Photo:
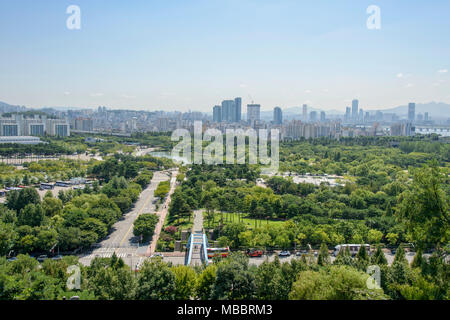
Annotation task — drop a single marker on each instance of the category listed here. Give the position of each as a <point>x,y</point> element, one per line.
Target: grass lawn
<point>237,217</point>
<point>184,224</point>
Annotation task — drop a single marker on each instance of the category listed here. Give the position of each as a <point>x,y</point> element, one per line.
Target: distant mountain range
<point>4,107</point>
<point>435,109</point>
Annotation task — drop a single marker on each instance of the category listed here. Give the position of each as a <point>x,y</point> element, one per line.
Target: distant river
<point>445,132</point>
<point>168,155</point>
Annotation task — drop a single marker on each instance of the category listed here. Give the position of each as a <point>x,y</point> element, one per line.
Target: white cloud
<point>307,91</point>
<point>96,94</point>
<point>243,85</point>
<point>443,71</point>
<point>399,75</point>
<point>66,93</point>
<point>409,85</point>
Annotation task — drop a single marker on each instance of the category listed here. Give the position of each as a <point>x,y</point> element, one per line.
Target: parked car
<point>42,257</point>
<point>12,259</point>
<point>58,257</point>
<point>284,254</point>
<point>393,251</point>
<point>157,255</point>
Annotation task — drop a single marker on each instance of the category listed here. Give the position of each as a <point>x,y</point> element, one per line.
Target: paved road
<point>122,240</point>
<point>162,214</point>
<point>260,260</point>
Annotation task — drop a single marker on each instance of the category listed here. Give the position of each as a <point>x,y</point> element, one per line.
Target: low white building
<point>21,139</point>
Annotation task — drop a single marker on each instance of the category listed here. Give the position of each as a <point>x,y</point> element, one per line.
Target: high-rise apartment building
<point>347,114</point>
<point>323,116</point>
<point>305,112</point>
<point>355,110</point>
<point>34,125</point>
<point>231,110</point>
<point>217,114</point>
<point>296,129</point>
<point>228,111</point>
<point>277,116</point>
<point>84,124</point>
<point>238,106</point>
<point>253,113</point>
<point>402,129</point>
<point>412,112</point>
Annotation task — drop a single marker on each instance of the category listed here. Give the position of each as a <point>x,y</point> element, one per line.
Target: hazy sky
<point>192,54</point>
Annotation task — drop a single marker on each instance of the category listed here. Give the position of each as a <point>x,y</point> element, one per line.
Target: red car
<point>255,253</point>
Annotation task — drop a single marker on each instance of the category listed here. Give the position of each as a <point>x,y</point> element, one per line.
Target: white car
<point>157,255</point>
<point>284,254</point>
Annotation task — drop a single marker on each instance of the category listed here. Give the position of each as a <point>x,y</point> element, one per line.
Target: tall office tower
<point>313,116</point>
<point>217,114</point>
<point>277,115</point>
<point>253,113</point>
<point>367,117</point>
<point>322,116</point>
<point>238,104</point>
<point>355,109</point>
<point>412,112</point>
<point>305,112</point>
<point>361,115</point>
<point>379,116</point>
<point>232,114</point>
<point>228,111</point>
<point>347,113</point>
<point>426,116</point>
<point>224,111</point>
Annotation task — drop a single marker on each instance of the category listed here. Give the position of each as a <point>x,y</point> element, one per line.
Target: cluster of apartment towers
<point>231,112</point>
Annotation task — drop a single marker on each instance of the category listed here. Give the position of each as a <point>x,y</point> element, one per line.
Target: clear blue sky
<point>192,54</point>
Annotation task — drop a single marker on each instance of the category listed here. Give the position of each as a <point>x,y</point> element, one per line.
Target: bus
<point>62,184</point>
<point>354,248</point>
<point>217,252</point>
<point>47,186</point>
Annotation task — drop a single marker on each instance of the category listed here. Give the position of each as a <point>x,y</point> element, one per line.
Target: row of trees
<point>371,209</point>
<point>232,278</point>
<point>75,219</point>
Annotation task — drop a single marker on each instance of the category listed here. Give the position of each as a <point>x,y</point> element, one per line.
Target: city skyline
<point>265,109</point>
<point>185,57</point>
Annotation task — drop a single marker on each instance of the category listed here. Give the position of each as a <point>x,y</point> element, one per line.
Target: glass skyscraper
<point>277,116</point>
